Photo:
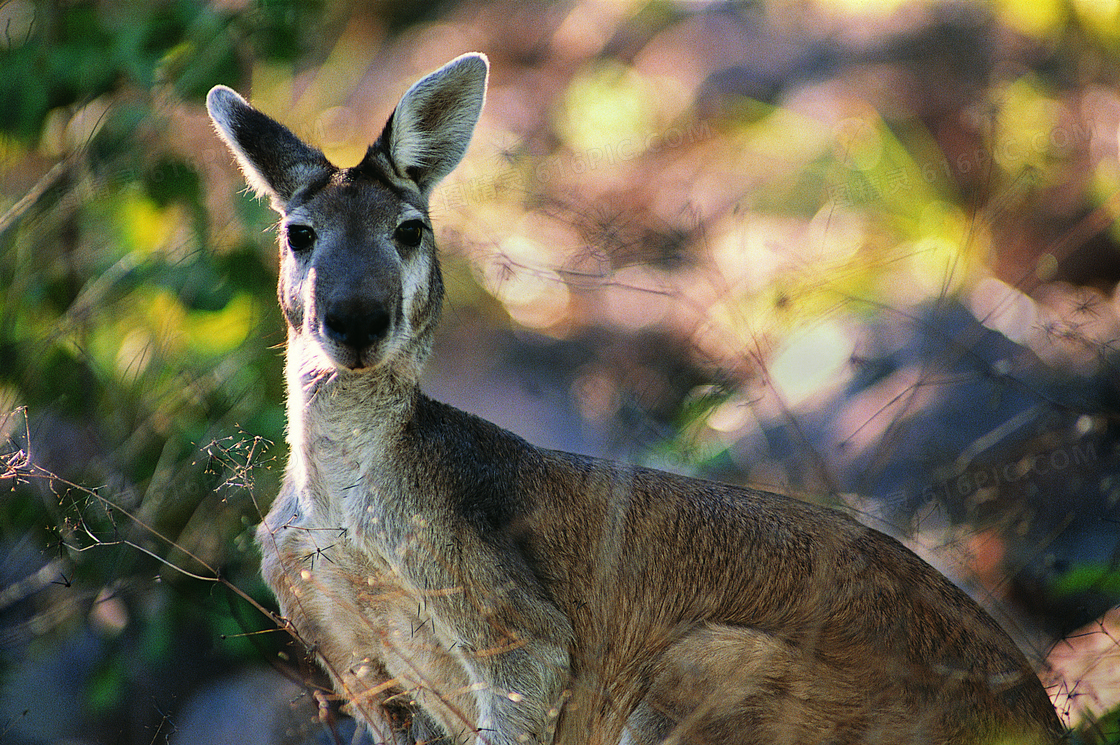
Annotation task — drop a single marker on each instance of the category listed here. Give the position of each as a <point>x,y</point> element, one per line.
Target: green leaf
<point>1084,577</point>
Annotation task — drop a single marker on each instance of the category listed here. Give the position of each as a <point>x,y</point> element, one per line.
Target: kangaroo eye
<point>409,233</point>
<point>300,237</point>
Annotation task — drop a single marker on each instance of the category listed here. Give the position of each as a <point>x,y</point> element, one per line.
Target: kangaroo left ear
<point>428,133</point>
<point>275,162</point>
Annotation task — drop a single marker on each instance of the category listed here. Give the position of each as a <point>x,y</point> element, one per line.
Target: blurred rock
<point>257,707</point>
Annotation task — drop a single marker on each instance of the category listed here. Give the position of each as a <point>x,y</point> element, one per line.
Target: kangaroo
<point>460,585</point>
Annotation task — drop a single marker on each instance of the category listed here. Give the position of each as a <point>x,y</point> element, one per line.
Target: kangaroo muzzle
<point>356,311</point>
<point>355,331</point>
<point>357,325</point>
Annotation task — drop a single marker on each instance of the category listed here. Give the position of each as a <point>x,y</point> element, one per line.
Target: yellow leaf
<point>145,226</point>
<point>218,332</point>
<point>1039,18</point>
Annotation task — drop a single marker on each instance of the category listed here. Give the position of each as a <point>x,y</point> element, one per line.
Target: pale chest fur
<point>339,547</point>
<point>343,466</point>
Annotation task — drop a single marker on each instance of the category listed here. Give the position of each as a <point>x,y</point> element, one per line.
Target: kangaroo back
<point>460,585</point>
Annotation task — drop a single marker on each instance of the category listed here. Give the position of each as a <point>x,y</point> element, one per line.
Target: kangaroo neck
<point>341,421</point>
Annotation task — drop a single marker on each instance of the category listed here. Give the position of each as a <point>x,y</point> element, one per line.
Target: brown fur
<point>462,585</point>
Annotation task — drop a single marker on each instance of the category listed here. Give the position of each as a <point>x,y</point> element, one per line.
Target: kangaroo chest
<point>360,595</point>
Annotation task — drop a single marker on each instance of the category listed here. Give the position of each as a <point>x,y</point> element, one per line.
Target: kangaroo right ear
<point>428,133</point>
<point>275,162</point>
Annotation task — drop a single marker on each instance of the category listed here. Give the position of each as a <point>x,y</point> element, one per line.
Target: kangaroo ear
<point>428,133</point>
<point>275,162</point>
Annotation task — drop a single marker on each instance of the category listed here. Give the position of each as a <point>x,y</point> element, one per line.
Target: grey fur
<point>461,585</point>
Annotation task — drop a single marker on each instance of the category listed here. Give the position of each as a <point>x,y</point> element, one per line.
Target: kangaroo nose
<point>357,328</point>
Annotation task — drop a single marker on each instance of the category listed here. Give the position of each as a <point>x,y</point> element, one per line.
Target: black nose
<point>357,327</point>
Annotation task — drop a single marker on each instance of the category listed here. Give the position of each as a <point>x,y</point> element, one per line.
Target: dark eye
<point>409,233</point>
<point>300,237</point>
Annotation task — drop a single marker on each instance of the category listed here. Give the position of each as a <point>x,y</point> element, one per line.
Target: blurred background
<point>864,253</point>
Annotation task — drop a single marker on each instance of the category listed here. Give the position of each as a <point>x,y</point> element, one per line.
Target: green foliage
<point>62,54</point>
<point>138,328</point>
<point>138,336</point>
<point>1101,578</point>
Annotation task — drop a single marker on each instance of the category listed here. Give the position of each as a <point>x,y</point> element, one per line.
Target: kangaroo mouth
<point>353,359</point>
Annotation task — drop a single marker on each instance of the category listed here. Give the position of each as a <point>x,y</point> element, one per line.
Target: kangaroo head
<point>360,283</point>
